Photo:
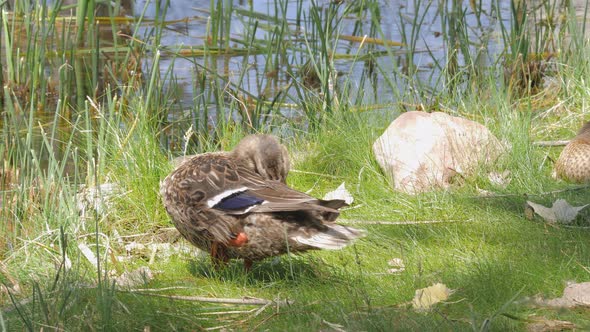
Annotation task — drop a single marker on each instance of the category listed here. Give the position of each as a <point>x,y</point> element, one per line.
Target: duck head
<point>264,155</point>
<point>584,133</point>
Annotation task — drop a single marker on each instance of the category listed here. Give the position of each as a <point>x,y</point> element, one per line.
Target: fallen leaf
<point>561,211</point>
<point>429,296</point>
<point>340,193</point>
<point>397,265</point>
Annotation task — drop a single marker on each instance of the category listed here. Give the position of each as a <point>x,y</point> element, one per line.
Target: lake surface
<point>397,23</point>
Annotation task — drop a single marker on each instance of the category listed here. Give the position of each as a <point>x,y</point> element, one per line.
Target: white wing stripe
<point>217,198</point>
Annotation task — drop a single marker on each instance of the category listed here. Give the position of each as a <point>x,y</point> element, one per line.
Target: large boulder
<point>423,151</point>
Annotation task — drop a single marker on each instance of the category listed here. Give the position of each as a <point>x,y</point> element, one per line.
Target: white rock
<point>422,151</point>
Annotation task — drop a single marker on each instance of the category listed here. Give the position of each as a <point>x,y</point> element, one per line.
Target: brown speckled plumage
<point>280,219</point>
<point>574,161</point>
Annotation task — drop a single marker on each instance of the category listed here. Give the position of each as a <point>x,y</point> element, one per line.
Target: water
<point>397,22</point>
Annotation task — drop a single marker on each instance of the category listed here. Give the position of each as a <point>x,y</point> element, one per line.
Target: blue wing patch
<point>238,201</point>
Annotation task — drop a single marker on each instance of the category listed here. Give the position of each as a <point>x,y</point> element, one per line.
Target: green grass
<point>482,248</point>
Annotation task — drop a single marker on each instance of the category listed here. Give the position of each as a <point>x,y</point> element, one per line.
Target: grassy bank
<point>115,120</point>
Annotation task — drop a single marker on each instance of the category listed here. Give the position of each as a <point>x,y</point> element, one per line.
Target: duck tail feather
<point>347,232</point>
<point>334,238</point>
<point>333,203</point>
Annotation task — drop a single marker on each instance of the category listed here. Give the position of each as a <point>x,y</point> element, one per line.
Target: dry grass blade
<point>403,222</point>
<point>238,301</point>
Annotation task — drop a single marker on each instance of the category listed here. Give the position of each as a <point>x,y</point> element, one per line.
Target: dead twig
<point>574,188</point>
<point>242,301</point>
<point>158,289</point>
<point>232,312</point>
<point>403,222</point>
<point>562,190</point>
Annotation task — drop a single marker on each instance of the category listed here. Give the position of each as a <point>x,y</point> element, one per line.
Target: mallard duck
<point>236,205</point>
<point>574,161</point>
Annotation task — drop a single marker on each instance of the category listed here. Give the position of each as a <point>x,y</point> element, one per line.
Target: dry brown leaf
<point>429,296</point>
<point>561,211</point>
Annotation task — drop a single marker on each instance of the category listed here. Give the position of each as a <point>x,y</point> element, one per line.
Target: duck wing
<point>191,192</point>
<point>267,196</point>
